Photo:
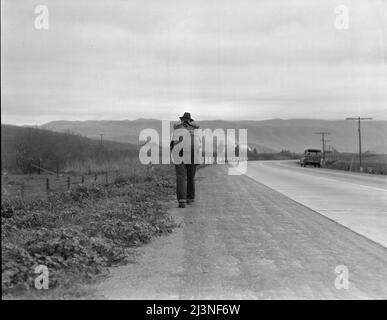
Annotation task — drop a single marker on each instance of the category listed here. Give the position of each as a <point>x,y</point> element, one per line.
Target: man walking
<point>186,154</point>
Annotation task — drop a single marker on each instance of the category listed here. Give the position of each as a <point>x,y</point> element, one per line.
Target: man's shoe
<point>190,201</point>
<point>181,204</point>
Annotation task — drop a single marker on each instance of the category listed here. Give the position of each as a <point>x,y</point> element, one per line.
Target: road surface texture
<point>357,201</point>
<point>244,240</point>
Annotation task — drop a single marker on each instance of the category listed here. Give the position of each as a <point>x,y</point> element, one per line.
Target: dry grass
<point>371,163</point>
<point>90,166</point>
<point>33,186</point>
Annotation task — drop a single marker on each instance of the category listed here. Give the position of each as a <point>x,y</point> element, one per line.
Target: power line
<point>358,119</point>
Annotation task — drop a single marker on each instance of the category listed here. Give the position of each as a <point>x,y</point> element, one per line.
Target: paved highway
<point>357,201</point>
<point>244,240</point>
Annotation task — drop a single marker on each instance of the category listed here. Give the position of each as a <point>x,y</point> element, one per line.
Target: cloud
<point>238,59</point>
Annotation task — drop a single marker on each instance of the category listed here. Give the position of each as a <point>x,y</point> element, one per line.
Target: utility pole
<point>358,119</point>
<point>326,147</point>
<point>101,134</point>
<point>323,141</point>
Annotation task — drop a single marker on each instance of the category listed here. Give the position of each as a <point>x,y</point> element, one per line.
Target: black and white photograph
<point>194,155</point>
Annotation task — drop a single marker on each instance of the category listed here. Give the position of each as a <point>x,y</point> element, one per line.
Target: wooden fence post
<point>68,182</point>
<point>39,166</point>
<point>95,177</point>
<point>47,184</point>
<point>22,190</point>
<point>83,179</point>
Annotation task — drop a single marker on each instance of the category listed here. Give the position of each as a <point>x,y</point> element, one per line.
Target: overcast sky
<point>218,59</point>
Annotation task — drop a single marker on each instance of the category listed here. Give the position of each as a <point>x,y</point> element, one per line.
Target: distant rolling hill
<point>22,145</point>
<point>267,135</point>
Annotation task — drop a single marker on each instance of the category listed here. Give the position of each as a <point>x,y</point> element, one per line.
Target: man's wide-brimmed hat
<point>186,116</point>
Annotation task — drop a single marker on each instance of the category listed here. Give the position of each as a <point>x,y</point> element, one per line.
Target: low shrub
<point>79,233</point>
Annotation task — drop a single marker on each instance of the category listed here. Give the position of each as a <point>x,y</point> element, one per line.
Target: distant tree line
<point>282,155</point>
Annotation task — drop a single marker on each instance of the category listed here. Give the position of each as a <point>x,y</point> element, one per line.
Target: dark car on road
<point>311,157</point>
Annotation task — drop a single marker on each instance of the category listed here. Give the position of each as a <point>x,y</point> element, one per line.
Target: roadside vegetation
<point>81,232</point>
<point>371,163</point>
